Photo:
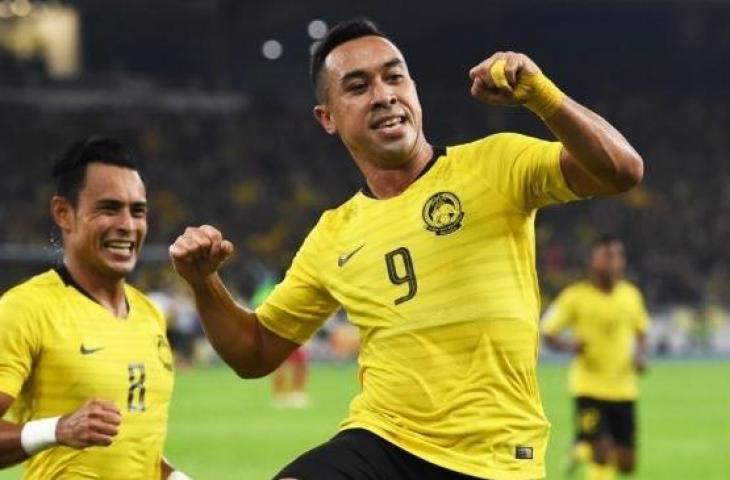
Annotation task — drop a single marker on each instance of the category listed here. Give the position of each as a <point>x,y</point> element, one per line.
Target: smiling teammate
<point>85,368</point>
<point>433,261</point>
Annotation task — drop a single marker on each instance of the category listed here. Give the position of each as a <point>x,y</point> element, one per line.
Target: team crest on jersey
<point>442,213</point>
<point>164,352</point>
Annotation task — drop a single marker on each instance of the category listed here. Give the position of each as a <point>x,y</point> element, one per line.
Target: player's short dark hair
<point>336,36</point>
<point>606,239</point>
<point>69,169</point>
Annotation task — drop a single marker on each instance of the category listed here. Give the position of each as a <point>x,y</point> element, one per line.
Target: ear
<point>62,213</point>
<point>324,117</point>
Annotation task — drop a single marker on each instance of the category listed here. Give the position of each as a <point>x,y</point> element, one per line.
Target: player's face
<point>371,101</point>
<point>106,230</point>
<point>608,261</point>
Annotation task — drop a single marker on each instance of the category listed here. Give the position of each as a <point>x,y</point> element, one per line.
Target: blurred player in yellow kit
<point>608,321</point>
<point>85,368</point>
<point>433,261</point>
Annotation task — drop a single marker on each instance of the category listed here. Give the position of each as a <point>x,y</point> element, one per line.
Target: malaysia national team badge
<point>164,352</point>
<point>442,213</point>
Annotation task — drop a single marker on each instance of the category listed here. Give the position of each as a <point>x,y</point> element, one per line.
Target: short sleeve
<point>20,340</point>
<point>524,169</point>
<point>301,303</point>
<point>559,315</point>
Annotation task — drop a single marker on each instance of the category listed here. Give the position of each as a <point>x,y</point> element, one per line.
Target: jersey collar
<point>438,152</point>
<point>69,281</point>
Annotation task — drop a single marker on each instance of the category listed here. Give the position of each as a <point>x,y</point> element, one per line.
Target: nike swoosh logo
<point>343,259</point>
<point>88,351</point>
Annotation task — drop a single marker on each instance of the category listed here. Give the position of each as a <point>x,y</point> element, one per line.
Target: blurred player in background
<point>286,394</point>
<point>84,362</point>
<point>433,260</point>
<point>608,321</point>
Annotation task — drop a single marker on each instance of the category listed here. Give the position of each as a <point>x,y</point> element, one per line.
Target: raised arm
<point>249,348</point>
<point>596,159</point>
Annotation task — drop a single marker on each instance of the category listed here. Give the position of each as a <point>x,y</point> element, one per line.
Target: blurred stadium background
<point>214,96</point>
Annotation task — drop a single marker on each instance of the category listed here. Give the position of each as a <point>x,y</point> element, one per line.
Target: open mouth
<point>121,247</point>
<point>388,122</point>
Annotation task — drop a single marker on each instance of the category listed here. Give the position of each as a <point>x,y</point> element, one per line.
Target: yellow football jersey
<point>441,282</point>
<point>607,324</point>
<point>59,348</point>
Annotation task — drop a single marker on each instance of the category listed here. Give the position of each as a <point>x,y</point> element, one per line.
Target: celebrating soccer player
<point>84,361</point>
<point>608,321</point>
<point>434,262</point>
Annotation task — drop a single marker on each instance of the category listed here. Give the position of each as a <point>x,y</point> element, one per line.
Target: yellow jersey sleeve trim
<point>301,303</point>
<point>565,194</point>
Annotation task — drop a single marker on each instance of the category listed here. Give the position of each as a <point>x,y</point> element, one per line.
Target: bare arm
<point>94,424</point>
<point>249,348</point>
<point>11,451</point>
<point>561,344</point>
<point>642,352</point>
<point>165,469</point>
<point>596,159</point>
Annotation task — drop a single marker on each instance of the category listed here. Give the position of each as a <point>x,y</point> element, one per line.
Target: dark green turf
<point>222,427</point>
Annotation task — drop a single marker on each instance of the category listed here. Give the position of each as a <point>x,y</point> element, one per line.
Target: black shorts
<point>358,454</point>
<point>595,418</point>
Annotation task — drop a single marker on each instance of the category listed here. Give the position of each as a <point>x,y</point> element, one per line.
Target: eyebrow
<point>362,73</point>
<point>117,203</point>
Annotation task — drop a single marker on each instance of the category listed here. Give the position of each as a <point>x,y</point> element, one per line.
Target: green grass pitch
<point>222,427</point>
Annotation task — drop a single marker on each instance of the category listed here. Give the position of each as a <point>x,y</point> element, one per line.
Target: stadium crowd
<point>263,171</point>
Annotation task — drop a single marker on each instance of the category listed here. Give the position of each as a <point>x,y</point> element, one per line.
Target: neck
<point>605,284</point>
<point>390,182</point>
<point>108,291</point>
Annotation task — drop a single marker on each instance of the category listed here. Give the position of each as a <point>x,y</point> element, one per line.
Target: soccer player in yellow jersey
<point>85,368</point>
<point>608,321</point>
<point>434,262</point>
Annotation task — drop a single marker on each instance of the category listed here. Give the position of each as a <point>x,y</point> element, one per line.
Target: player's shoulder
<point>36,290</point>
<point>134,293</point>
<point>332,219</point>
<point>142,301</point>
<point>576,289</point>
<point>630,288</point>
<point>494,142</point>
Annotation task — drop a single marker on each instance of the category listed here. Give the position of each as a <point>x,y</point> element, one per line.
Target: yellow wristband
<point>498,76</point>
<point>539,94</point>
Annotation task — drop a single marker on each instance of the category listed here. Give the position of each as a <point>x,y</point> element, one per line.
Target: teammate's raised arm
<point>596,158</point>
<point>235,332</point>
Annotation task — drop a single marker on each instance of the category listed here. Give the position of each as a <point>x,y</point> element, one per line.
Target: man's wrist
<point>540,94</point>
<point>39,435</point>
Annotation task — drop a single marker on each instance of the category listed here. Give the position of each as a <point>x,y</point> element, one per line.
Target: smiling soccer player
<point>434,262</point>
<point>84,360</point>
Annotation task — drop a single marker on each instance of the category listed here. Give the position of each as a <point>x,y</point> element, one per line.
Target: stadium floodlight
<point>21,8</point>
<point>272,49</point>
<point>317,29</point>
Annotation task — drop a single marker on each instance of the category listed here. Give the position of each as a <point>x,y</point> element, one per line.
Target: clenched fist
<point>96,423</point>
<point>511,79</point>
<point>199,252</point>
